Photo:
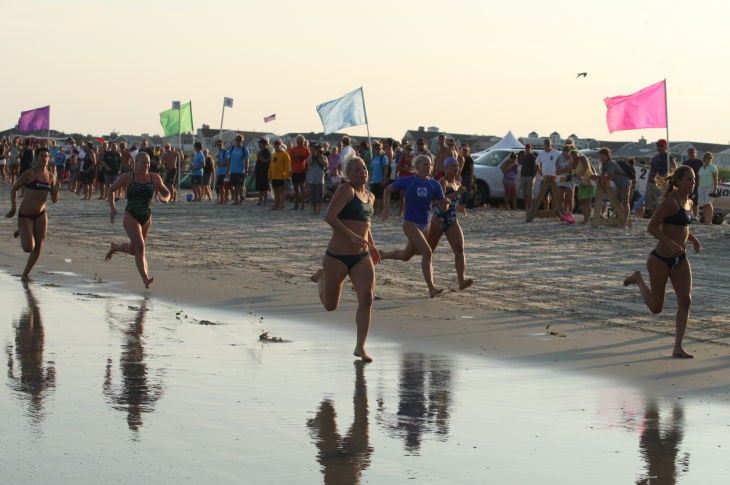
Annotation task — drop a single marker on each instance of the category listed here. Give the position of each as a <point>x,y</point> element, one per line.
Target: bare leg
<point>681,279</point>
<point>418,241</point>
<point>137,234</point>
<point>32,243</point>
<point>653,295</point>
<point>362,276</point>
<point>455,236</point>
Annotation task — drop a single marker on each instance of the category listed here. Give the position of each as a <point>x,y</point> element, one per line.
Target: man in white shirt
<point>547,159</point>
<point>347,151</point>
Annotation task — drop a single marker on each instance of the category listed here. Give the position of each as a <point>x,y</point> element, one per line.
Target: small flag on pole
<point>643,109</point>
<point>228,102</point>
<point>349,110</point>
<point>270,118</point>
<point>38,119</point>
<point>175,122</point>
<point>176,105</point>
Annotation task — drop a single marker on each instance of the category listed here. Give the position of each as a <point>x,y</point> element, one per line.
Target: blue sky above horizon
<point>463,66</point>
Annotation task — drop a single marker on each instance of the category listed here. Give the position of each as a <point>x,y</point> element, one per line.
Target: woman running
<point>351,250</point>
<point>446,221</point>
<point>37,183</point>
<point>137,220</point>
<point>668,260</point>
<point>421,193</point>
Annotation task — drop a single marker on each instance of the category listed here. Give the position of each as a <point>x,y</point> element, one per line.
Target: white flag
<point>228,102</point>
<point>349,110</point>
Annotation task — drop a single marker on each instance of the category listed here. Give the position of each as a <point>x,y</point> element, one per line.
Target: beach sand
<point>528,276</point>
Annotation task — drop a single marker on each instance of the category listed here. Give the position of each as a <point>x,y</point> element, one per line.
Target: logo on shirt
<point>422,192</point>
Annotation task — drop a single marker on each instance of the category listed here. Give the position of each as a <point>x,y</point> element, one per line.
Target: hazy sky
<point>478,67</point>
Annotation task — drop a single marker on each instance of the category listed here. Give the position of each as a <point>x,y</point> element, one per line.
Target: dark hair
<point>42,150</point>
<point>198,145</point>
<point>605,151</point>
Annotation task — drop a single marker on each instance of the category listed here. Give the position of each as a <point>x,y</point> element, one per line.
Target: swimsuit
<point>38,185</point>
<point>349,260</point>
<point>683,217</point>
<point>671,261</point>
<point>32,217</point>
<point>447,217</point>
<point>139,200</point>
<point>355,210</point>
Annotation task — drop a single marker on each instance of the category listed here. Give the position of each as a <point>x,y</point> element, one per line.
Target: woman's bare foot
<point>681,354</point>
<point>109,253</point>
<point>435,292</point>
<point>633,279</point>
<point>148,283</point>
<point>25,278</point>
<point>466,283</point>
<point>360,352</point>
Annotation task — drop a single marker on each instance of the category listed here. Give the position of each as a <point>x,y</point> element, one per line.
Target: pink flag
<point>643,109</point>
<point>38,119</point>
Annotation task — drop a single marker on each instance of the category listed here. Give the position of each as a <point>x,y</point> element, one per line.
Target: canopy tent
<point>509,141</point>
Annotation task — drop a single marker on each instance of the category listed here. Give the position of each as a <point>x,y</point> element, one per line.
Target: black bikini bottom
<point>349,260</point>
<point>671,261</point>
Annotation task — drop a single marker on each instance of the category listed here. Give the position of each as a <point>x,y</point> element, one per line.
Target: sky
<point>469,67</point>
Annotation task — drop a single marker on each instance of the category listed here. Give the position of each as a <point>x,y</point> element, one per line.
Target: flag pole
<point>666,111</point>
<point>179,140</point>
<point>223,111</point>
<point>367,124</point>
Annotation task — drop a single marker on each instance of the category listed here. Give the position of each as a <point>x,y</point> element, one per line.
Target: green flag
<point>175,122</point>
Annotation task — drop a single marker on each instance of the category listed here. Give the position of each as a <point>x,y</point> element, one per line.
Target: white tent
<point>509,141</point>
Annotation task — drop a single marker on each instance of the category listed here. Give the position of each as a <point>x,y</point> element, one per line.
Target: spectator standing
<point>708,186</point>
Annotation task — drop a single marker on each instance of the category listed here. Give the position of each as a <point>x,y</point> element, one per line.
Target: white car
<point>488,175</point>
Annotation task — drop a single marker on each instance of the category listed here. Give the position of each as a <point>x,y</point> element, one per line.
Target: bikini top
<point>357,210</point>
<point>683,217</point>
<point>38,185</point>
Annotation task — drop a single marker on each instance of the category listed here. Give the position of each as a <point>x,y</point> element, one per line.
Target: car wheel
<point>482,194</point>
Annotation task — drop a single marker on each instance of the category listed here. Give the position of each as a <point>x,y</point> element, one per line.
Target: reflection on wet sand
<point>344,459</point>
<point>33,381</point>
<point>135,395</point>
<point>424,392</point>
<point>659,445</point>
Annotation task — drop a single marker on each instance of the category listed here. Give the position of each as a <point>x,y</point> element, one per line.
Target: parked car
<point>721,203</point>
<point>488,175</point>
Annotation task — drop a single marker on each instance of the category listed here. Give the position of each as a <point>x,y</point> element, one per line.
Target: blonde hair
<point>349,164</point>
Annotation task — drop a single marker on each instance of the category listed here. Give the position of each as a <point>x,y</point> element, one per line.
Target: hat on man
<point>529,145</point>
<point>661,141</point>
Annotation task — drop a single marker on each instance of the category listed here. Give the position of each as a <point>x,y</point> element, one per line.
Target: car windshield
<point>492,158</point>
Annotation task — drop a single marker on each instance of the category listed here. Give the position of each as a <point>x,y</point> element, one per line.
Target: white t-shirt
<point>547,161</point>
<point>347,152</point>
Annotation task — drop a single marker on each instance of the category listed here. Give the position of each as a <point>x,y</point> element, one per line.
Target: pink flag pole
<point>666,110</point>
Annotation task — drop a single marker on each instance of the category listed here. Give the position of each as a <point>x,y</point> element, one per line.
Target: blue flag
<point>349,110</point>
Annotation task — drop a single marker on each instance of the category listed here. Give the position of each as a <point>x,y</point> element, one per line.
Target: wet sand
<point>527,276</point>
<point>105,386</point>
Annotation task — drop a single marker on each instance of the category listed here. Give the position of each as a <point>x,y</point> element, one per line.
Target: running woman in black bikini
<point>137,220</point>
<point>38,183</point>
<point>351,251</point>
<point>668,260</point>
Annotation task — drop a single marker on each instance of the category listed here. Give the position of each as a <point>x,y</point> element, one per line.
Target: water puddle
<point>115,388</point>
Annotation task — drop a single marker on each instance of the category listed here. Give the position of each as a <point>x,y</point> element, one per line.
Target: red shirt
<point>299,157</point>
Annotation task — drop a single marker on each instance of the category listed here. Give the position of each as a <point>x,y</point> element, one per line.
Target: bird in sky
<point>581,74</point>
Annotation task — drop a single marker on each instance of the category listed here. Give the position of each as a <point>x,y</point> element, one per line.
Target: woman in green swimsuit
<point>140,185</point>
<point>351,250</point>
